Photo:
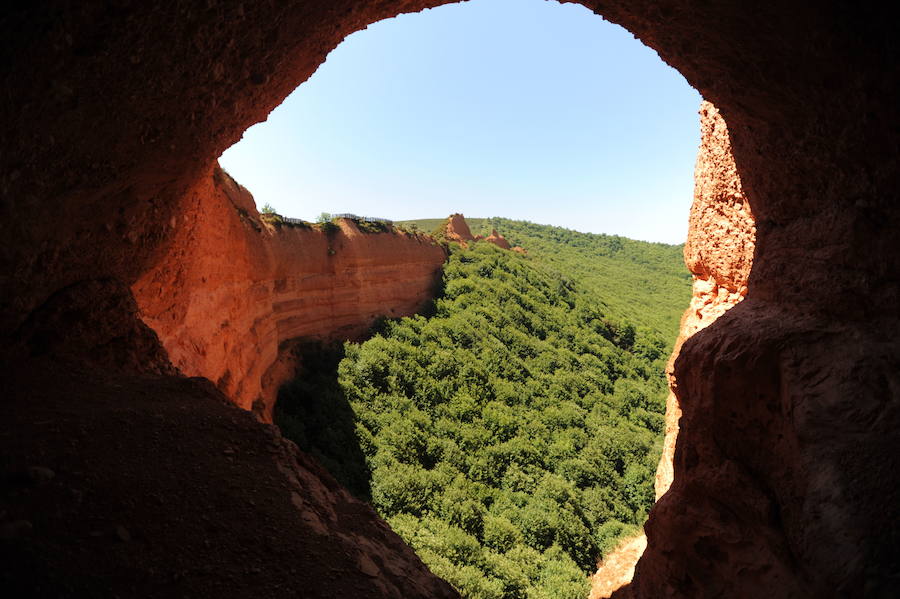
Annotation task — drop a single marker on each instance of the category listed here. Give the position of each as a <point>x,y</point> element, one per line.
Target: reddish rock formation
<point>230,290</point>
<point>161,488</point>
<point>786,469</point>
<point>617,568</point>
<point>457,229</point>
<point>747,481</point>
<point>719,254</point>
<point>497,239</point>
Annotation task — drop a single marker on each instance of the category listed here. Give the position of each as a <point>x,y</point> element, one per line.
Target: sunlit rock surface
<point>719,254</point>
<point>231,288</point>
<point>457,229</point>
<point>497,239</point>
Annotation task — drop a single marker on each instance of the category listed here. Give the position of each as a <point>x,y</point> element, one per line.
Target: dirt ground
<point>617,569</point>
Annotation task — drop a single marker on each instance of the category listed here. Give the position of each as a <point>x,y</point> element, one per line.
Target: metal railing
<point>368,219</point>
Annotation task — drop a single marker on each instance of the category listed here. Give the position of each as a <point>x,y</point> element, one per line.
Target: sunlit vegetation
<point>511,437</point>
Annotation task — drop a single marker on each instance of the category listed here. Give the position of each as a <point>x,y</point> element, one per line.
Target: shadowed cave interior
<point>785,469</point>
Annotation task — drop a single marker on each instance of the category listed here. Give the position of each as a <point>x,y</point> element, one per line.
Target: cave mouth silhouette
<point>786,472</point>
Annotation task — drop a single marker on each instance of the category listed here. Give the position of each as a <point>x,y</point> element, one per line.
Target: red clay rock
<point>215,503</point>
<point>758,486</point>
<point>617,568</point>
<point>457,230</point>
<point>497,239</point>
<point>719,254</point>
<point>231,289</point>
<point>722,233</point>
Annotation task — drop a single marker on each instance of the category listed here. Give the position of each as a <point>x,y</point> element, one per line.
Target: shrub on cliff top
<point>367,226</point>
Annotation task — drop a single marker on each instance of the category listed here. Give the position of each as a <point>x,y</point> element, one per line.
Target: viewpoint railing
<point>368,219</point>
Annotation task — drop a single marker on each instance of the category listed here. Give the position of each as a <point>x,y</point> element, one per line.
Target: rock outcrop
<point>785,471</point>
<point>231,290</point>
<point>719,254</point>
<point>497,239</point>
<point>457,230</point>
<point>758,488</point>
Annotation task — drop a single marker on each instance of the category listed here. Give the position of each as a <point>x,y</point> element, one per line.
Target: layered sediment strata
<point>231,289</point>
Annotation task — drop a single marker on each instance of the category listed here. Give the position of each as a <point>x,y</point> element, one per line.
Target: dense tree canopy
<point>512,436</point>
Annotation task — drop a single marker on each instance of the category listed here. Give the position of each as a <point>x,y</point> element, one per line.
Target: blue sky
<point>526,109</point>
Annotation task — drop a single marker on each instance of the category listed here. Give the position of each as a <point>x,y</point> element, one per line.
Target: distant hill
<point>645,282</point>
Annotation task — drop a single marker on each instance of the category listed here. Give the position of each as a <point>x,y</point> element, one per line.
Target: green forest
<point>511,435</point>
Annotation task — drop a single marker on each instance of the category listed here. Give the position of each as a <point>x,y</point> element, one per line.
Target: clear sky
<point>526,109</point>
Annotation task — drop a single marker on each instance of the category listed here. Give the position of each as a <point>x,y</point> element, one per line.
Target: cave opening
<point>787,473</point>
<point>624,112</point>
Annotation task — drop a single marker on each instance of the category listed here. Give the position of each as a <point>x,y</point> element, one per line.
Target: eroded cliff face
<point>497,239</point>
<point>457,230</point>
<point>752,493</point>
<point>719,254</point>
<point>232,289</point>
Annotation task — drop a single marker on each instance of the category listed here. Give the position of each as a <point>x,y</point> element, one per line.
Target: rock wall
<point>786,473</point>
<point>759,485</point>
<point>116,485</point>
<point>718,252</point>
<point>232,289</point>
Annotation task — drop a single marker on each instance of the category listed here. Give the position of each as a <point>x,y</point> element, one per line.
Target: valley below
<point>511,435</point>
<point>501,408</point>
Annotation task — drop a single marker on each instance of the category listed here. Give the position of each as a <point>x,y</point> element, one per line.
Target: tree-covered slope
<point>646,283</point>
<point>511,436</point>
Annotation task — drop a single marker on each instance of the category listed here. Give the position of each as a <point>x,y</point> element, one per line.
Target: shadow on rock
<point>314,413</point>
